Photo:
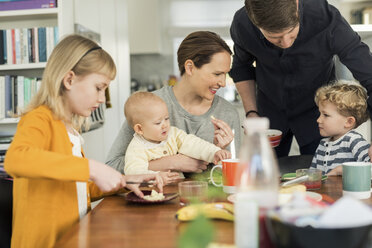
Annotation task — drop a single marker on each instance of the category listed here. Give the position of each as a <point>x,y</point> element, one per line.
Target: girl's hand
<point>169,177</point>
<point>143,178</point>
<point>223,134</point>
<point>221,155</point>
<point>106,178</point>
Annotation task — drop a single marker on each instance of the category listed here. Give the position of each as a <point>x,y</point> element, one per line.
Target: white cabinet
<point>144,26</point>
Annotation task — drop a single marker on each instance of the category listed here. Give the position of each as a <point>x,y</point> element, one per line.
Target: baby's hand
<point>169,177</point>
<point>221,155</point>
<point>336,171</point>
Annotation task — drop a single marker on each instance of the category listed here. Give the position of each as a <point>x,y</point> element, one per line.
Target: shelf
<point>23,66</point>
<point>35,13</point>
<point>9,121</point>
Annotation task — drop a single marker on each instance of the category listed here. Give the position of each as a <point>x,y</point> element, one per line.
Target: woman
<point>204,60</point>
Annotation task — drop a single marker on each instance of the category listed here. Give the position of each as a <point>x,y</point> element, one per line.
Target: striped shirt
<point>351,147</point>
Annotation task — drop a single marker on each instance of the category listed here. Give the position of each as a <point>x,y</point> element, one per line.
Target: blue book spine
<point>42,44</point>
<point>2,48</point>
<point>8,96</point>
<point>5,47</point>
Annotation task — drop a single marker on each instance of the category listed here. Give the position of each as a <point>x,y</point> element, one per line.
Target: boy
<point>342,107</point>
<point>154,137</point>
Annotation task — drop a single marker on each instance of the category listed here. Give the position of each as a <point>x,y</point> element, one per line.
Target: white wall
<point>109,18</point>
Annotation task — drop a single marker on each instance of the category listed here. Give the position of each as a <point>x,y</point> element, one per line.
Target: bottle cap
<point>256,124</point>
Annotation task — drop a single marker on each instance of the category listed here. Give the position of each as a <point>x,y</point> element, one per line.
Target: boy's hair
<point>350,99</point>
<point>273,15</point>
<point>137,104</point>
<point>199,47</point>
<point>73,53</point>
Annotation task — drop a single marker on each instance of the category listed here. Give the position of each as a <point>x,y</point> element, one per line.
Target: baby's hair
<point>350,99</point>
<point>137,104</point>
<point>73,53</point>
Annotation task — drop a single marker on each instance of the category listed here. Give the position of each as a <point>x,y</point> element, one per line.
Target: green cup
<point>356,179</point>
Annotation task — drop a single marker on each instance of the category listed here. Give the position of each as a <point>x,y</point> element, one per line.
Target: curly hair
<point>350,99</point>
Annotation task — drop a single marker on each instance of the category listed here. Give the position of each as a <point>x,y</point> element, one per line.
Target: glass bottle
<point>257,186</point>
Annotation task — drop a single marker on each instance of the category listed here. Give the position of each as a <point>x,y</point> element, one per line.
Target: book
<point>2,48</point>
<point>26,4</point>
<point>36,45</point>
<point>13,47</point>
<point>8,96</point>
<point>30,46</point>
<point>9,47</point>
<point>5,46</point>
<point>14,94</point>
<point>2,97</point>
<point>24,46</point>
<point>26,91</point>
<point>17,39</point>
<point>20,93</point>
<point>42,44</point>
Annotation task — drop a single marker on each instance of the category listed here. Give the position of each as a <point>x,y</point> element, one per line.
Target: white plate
<point>284,198</point>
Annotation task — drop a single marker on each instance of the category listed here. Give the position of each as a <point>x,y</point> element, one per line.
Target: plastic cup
<point>192,192</point>
<point>314,181</point>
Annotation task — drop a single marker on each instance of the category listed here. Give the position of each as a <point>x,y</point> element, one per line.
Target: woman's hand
<point>106,178</point>
<point>143,178</point>
<point>223,134</point>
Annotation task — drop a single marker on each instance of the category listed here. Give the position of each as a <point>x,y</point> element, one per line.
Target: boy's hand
<point>169,177</point>
<point>221,155</point>
<point>336,171</point>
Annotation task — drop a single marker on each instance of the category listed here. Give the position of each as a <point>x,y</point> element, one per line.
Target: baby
<point>154,138</point>
<point>342,107</point>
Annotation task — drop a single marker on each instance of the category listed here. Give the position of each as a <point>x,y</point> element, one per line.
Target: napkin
<point>345,213</point>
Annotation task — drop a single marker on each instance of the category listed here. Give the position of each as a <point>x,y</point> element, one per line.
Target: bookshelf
<point>61,17</point>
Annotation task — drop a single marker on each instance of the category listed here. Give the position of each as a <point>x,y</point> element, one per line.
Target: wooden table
<point>116,223</point>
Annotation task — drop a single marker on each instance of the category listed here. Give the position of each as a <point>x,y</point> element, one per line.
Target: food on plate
<point>292,188</point>
<point>155,196</point>
<point>216,210</point>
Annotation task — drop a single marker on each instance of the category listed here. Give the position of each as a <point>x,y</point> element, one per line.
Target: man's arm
<point>247,92</point>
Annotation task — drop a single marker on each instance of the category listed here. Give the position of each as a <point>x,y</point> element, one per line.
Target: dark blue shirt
<point>287,79</point>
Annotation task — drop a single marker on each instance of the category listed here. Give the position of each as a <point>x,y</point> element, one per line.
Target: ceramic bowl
<point>291,236</point>
<point>274,135</point>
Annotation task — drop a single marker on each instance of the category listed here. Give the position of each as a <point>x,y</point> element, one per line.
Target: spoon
<point>294,181</point>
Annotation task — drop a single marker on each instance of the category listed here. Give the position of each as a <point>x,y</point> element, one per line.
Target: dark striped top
<point>351,147</point>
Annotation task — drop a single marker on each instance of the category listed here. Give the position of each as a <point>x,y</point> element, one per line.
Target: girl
<point>204,60</point>
<point>53,181</point>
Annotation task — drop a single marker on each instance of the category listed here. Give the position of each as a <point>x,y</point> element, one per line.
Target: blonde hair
<point>137,104</point>
<point>73,53</point>
<point>350,99</point>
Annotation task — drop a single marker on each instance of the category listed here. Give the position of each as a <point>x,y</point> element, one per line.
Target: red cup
<point>229,168</point>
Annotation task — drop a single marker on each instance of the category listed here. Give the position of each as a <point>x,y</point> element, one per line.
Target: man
<point>292,43</point>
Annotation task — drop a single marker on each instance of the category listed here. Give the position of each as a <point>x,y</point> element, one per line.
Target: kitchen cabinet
<point>144,26</point>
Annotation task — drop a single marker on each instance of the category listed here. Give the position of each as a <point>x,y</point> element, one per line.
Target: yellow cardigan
<point>45,173</point>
